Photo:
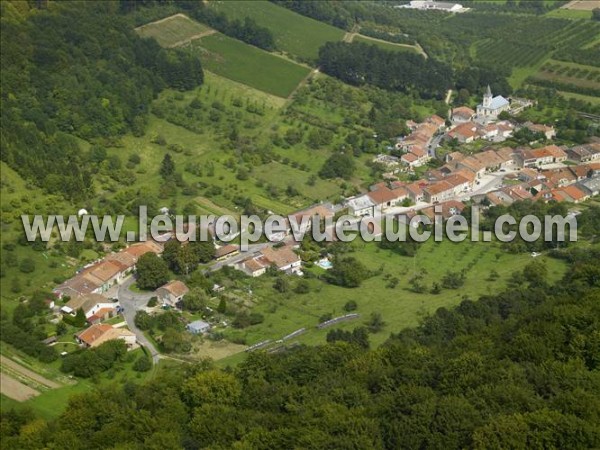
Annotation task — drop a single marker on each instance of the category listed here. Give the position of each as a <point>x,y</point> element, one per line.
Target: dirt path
<point>15,389</point>
<point>448,95</point>
<point>28,373</point>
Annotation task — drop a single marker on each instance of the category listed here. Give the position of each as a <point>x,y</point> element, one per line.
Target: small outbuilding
<point>198,327</point>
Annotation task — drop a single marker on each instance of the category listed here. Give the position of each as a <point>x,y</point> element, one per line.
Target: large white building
<point>429,4</point>
<point>491,106</point>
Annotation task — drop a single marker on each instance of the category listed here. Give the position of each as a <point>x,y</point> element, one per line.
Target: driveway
<point>131,303</point>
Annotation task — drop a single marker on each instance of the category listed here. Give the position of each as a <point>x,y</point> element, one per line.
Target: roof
<point>498,102</point>
<point>253,264</point>
<point>198,325</point>
<point>463,111</point>
<point>440,186</point>
<point>176,288</point>
<point>435,119</point>
<point>317,210</point>
<point>86,302</point>
<point>574,192</point>
<point>226,250</point>
<point>112,333</point>
<point>455,180</point>
<point>141,248</point>
<point>281,257</point>
<point>409,158</point>
<point>99,315</point>
<point>105,270</point>
<point>89,335</point>
<point>360,202</point>
<point>383,195</point>
<point>467,130</point>
<point>122,257</point>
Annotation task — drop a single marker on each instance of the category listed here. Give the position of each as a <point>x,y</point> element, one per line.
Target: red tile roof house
<point>438,192</point>
<point>464,133</point>
<point>541,156</point>
<point>97,334</point>
<point>573,193</point>
<point>172,293</point>
<point>462,114</point>
<point>384,198</point>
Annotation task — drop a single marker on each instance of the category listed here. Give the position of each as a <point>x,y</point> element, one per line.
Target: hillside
<point>514,369</point>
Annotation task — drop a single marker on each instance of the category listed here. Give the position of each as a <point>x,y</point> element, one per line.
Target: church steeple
<point>487,97</point>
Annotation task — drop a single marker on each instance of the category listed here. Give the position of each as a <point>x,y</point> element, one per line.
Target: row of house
<point>467,132</point>
<point>100,276</point>
<point>416,144</point>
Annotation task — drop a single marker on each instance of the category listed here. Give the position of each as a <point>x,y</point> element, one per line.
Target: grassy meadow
<point>399,306</point>
<point>294,34</point>
<point>173,30</point>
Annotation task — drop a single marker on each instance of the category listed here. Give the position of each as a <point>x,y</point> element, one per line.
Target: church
<point>491,106</point>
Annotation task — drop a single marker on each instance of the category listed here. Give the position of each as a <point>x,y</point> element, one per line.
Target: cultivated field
<point>15,389</point>
<point>249,65</point>
<point>174,30</point>
<point>294,34</point>
<point>14,366</point>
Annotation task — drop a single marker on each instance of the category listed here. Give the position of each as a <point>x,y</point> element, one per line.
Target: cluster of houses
<point>542,175</point>
<point>416,144</point>
<point>99,277</point>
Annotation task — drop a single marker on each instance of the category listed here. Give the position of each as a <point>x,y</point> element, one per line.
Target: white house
<point>491,106</point>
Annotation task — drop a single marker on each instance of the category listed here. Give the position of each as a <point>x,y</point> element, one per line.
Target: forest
<point>515,369</point>
<point>77,70</point>
<point>359,63</point>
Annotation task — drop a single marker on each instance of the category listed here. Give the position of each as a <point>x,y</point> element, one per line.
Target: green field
<point>584,98</point>
<point>249,65</point>
<point>294,34</point>
<point>390,46</point>
<point>399,306</point>
<point>173,30</point>
<point>574,14</point>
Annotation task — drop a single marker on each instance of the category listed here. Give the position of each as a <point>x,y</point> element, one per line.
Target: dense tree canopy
<point>359,63</point>
<point>77,69</point>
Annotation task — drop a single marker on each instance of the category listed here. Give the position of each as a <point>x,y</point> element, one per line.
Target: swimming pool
<point>324,264</point>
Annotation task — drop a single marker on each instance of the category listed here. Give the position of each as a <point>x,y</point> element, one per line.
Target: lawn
<point>173,30</point>
<point>249,65</point>
<point>294,34</point>
<point>390,46</point>
<point>399,306</point>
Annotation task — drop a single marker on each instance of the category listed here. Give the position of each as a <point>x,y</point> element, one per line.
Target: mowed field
<point>173,31</point>
<point>249,65</point>
<point>294,34</point>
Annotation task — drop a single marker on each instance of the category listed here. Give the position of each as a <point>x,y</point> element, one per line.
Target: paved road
<point>131,303</point>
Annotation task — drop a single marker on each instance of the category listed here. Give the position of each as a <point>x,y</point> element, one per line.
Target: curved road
<point>131,303</point>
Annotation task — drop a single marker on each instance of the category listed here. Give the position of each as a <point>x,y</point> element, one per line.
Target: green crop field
<point>294,34</point>
<point>172,30</point>
<point>249,65</point>
<point>390,46</point>
<point>399,306</point>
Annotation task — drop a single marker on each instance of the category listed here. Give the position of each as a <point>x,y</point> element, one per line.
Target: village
<point>493,176</point>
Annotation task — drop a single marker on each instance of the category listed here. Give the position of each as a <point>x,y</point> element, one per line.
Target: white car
<point>535,254</point>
